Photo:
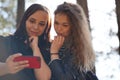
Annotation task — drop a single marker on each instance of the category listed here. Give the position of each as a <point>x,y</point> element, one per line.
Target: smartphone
<point>33,61</point>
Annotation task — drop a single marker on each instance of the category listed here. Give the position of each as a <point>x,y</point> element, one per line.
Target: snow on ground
<point>108,66</point>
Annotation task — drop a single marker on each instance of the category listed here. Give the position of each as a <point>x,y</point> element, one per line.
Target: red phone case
<point>34,61</point>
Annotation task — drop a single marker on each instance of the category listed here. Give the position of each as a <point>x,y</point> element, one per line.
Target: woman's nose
<point>59,27</point>
<point>36,26</point>
<point>60,31</point>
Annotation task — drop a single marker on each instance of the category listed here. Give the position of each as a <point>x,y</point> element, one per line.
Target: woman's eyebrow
<point>32,18</point>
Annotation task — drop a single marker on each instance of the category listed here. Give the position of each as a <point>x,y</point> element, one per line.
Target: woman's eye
<point>31,21</point>
<point>65,25</point>
<point>56,23</point>
<point>42,24</point>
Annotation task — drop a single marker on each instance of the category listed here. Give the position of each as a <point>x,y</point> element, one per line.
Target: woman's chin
<point>34,35</point>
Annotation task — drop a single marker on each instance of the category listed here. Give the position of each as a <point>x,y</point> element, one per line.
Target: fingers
<point>15,55</point>
<point>32,39</point>
<point>20,65</point>
<point>17,66</point>
<point>57,44</point>
<point>13,66</point>
<point>59,40</point>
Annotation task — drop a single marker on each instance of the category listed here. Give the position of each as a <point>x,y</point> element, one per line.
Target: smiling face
<point>62,24</point>
<point>36,23</point>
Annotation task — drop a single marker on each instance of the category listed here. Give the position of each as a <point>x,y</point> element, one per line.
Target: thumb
<point>15,55</point>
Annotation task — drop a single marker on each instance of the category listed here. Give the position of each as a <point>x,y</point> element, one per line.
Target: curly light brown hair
<point>79,38</point>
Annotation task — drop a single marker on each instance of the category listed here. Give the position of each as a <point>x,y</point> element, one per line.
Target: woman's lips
<point>33,33</point>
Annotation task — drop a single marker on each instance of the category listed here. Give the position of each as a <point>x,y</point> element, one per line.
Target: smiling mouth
<point>34,33</point>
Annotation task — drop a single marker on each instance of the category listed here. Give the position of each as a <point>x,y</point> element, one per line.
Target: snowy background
<point>105,42</point>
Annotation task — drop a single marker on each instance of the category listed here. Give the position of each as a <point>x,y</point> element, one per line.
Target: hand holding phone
<point>33,61</point>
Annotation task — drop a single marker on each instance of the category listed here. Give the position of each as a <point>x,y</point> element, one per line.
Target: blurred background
<point>104,20</point>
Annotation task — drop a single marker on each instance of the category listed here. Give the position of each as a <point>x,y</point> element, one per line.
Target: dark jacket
<point>64,69</point>
<point>11,45</point>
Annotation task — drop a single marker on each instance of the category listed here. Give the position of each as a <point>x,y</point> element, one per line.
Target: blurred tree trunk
<point>118,19</point>
<point>84,5</point>
<point>20,10</point>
